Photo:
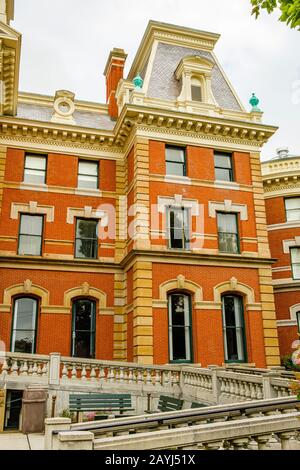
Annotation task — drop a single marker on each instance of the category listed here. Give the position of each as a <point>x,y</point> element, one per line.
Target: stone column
<point>74,440</point>
<point>54,369</point>
<point>54,424</point>
<point>120,324</point>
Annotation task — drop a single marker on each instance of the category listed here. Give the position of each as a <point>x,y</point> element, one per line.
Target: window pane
<point>176,169</point>
<point>179,327</point>
<point>293,214</point>
<point>88,182</point>
<point>35,162</point>
<point>88,168</point>
<point>25,314</point>
<point>233,328</point>
<point>296,271</point>
<point>223,161</point>
<point>31,224</point>
<point>196,93</point>
<point>227,223</point>
<point>175,155</point>
<point>295,255</point>
<point>86,228</point>
<point>228,243</point>
<point>84,313</point>
<point>86,249</point>
<point>178,317</point>
<point>292,203</point>
<point>34,176</point>
<point>23,341</point>
<point>30,245</point>
<point>223,175</point>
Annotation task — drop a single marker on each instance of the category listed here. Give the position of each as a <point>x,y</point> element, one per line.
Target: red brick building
<point>135,230</point>
<point>282,195</point>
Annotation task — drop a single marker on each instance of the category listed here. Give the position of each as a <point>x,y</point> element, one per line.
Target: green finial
<point>138,82</point>
<point>254,102</point>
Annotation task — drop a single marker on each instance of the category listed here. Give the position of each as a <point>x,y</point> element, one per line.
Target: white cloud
<point>66,44</point>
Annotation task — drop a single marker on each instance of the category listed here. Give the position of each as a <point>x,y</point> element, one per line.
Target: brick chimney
<point>114,73</point>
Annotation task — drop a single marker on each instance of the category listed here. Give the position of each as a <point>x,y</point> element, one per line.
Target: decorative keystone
<point>254,103</point>
<point>138,82</point>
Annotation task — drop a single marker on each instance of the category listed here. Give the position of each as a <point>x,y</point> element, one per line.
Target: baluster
<point>130,375</point>
<point>259,392</point>
<point>140,378</point>
<point>247,390</point>
<point>93,373</point>
<point>111,376</point>
<point>83,372</point>
<point>101,374</point>
<point>285,439</point>
<point>64,372</point>
<point>45,369</point>
<point>222,388</point>
<point>240,444</point>
<point>253,391</point>
<point>34,369</point>
<point>148,377</point>
<point>231,387</point>
<point>166,378</point>
<point>30,370</point>
<point>5,368</point>
<point>262,441</point>
<point>14,368</point>
<point>227,386</point>
<point>74,373</point>
<point>121,377</point>
<point>237,388</point>
<point>117,374</point>
<point>157,377</point>
<point>39,369</point>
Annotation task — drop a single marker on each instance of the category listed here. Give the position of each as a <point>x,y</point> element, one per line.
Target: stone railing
<point>211,385</point>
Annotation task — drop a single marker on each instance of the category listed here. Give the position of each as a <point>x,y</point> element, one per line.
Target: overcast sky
<point>66,43</point>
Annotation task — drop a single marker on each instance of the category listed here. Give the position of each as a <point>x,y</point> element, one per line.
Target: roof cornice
<point>10,50</point>
<point>174,34</point>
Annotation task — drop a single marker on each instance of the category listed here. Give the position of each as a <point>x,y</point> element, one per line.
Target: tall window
<point>86,243</point>
<point>30,235</point>
<point>223,167</point>
<point>23,337</point>
<point>233,328</point>
<point>178,227</point>
<point>180,330</point>
<point>35,169</point>
<point>228,233</point>
<point>295,262</point>
<point>175,161</point>
<point>196,91</point>
<point>83,328</point>
<point>292,208</point>
<point>88,174</point>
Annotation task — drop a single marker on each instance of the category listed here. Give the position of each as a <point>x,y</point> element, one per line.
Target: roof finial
<point>138,82</point>
<point>254,103</point>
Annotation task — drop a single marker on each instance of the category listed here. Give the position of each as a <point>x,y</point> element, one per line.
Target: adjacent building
<point>136,230</point>
<point>282,195</point>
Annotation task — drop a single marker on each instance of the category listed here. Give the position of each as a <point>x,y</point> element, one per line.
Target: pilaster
<point>3,151</point>
<point>120,323</point>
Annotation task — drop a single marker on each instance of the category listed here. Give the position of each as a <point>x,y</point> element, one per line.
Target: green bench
<point>108,402</point>
<point>166,403</point>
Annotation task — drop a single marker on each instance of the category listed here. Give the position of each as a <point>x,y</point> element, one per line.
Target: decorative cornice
<point>10,47</point>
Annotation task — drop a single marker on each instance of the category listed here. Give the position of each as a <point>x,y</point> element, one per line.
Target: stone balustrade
<point>210,385</point>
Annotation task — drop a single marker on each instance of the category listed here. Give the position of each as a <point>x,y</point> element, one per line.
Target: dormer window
<point>194,72</point>
<point>196,91</point>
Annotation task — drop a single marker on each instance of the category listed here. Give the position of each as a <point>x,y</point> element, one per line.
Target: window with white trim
<point>228,232</point>
<point>86,243</point>
<point>175,161</point>
<point>88,174</point>
<point>23,337</point>
<point>180,329</point>
<point>178,227</point>
<point>196,90</point>
<point>292,208</point>
<point>35,169</point>
<point>295,262</point>
<point>233,328</point>
<point>223,167</point>
<point>30,235</point>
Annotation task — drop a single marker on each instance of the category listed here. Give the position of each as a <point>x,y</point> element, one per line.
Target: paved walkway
<point>19,441</point>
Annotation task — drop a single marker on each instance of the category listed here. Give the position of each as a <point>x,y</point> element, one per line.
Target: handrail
<point>188,415</point>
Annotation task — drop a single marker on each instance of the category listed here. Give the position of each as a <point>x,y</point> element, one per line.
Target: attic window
<point>196,91</point>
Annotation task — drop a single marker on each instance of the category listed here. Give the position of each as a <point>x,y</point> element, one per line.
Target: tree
<point>290,10</point>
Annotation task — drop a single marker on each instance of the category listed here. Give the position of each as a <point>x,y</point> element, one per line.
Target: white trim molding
<point>227,206</point>
<point>31,208</point>
<point>87,212</point>
<point>178,201</point>
<point>283,226</point>
<point>286,244</point>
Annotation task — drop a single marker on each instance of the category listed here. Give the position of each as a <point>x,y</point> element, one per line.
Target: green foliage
<point>287,362</point>
<point>67,414</point>
<point>290,10</point>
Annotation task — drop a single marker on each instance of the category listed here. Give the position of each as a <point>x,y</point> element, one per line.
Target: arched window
<point>23,338</point>
<point>83,328</point>
<point>196,90</point>
<point>180,329</point>
<point>233,328</point>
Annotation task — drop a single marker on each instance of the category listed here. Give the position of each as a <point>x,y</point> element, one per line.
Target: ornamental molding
<point>292,321</point>
<point>31,208</point>
<point>87,212</point>
<point>177,201</point>
<point>10,46</point>
<point>287,244</point>
<point>227,206</point>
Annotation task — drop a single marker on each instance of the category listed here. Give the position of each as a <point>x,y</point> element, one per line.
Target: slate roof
<point>163,83</point>
<point>93,120</point>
